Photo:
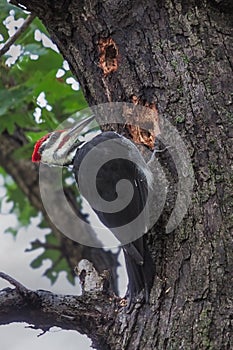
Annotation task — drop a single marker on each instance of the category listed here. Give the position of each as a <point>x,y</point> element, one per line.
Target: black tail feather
<point>140,271</point>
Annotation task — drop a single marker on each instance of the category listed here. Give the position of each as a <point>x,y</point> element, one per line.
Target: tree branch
<point>91,313</point>
<point>21,288</point>
<point>17,34</point>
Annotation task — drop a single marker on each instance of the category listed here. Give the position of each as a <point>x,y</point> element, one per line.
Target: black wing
<point>130,222</point>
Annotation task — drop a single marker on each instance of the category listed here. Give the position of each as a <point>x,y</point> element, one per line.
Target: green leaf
<point>24,152</point>
<point>12,98</point>
<point>7,123</point>
<point>47,254</point>
<point>59,265</point>
<point>35,49</point>
<point>51,239</point>
<point>3,171</point>
<point>34,136</point>
<point>12,231</point>
<point>34,245</point>
<point>22,206</point>
<point>55,255</point>
<point>49,61</point>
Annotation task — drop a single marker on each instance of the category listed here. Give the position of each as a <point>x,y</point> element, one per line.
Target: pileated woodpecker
<point>62,148</point>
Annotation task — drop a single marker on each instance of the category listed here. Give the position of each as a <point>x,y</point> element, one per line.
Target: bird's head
<point>58,148</point>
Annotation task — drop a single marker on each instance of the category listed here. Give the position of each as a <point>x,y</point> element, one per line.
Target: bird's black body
<point>138,260</point>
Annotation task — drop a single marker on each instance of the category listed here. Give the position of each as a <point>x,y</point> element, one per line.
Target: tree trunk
<point>178,57</point>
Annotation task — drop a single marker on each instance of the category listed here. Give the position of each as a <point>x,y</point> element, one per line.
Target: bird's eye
<point>54,137</point>
<point>42,147</point>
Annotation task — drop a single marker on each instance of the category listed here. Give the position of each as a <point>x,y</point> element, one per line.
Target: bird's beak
<point>76,130</point>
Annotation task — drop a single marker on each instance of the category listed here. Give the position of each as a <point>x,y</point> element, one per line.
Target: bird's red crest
<point>36,157</point>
